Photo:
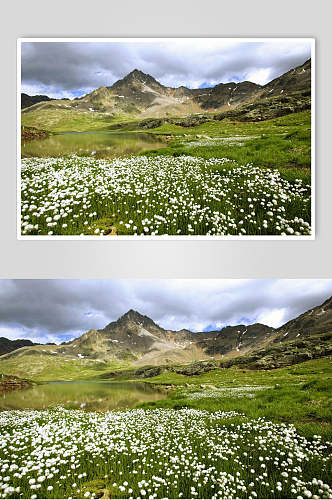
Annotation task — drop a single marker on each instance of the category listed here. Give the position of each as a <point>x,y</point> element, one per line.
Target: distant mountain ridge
<point>30,100</point>
<point>136,339</point>
<point>7,345</point>
<point>139,94</point>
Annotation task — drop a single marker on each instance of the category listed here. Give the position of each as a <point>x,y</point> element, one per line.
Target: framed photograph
<point>171,393</point>
<point>207,138</point>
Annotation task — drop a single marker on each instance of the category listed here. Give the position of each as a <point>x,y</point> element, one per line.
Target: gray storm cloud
<point>53,309</point>
<point>63,68</point>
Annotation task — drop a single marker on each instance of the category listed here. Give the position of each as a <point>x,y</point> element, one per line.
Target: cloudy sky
<point>71,69</point>
<point>57,310</point>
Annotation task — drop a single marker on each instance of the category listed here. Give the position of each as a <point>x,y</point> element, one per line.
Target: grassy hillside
<point>68,120</point>
<point>47,368</point>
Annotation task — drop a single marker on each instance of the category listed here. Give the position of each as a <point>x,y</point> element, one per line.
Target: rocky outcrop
<point>296,79</point>
<point>30,133</point>
<point>30,100</point>
<point>8,384</point>
<point>286,353</point>
<point>7,345</point>
<point>271,107</point>
<point>259,110</point>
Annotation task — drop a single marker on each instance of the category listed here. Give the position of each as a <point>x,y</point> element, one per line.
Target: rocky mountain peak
<point>133,315</point>
<point>136,73</point>
<point>136,76</point>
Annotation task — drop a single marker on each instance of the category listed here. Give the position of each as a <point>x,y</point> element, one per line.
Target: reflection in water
<point>99,144</point>
<point>88,395</point>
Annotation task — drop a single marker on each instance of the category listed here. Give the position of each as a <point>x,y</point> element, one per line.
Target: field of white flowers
<point>157,453</point>
<point>162,195</point>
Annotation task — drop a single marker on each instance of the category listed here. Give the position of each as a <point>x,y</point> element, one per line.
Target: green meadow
<point>283,143</point>
<point>300,394</point>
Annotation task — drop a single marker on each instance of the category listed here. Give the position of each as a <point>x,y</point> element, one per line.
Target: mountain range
<point>7,345</point>
<point>140,95</point>
<point>30,100</point>
<point>137,340</point>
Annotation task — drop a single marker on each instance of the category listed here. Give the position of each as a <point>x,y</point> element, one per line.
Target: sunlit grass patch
<point>283,143</point>
<point>299,394</point>
<point>282,150</point>
<point>69,120</point>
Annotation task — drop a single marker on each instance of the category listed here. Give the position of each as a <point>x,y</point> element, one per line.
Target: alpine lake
<point>99,144</point>
<point>88,395</point>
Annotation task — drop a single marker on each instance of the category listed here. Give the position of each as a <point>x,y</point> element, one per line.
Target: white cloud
<point>14,333</point>
<point>259,76</point>
<point>274,318</point>
<point>52,91</point>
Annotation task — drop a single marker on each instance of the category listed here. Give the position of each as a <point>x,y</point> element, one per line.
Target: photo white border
<point>310,237</point>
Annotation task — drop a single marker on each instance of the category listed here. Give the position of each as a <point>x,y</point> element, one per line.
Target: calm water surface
<point>89,395</point>
<point>99,144</point>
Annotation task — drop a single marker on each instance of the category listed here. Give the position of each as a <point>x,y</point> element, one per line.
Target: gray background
<point>161,259</point>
